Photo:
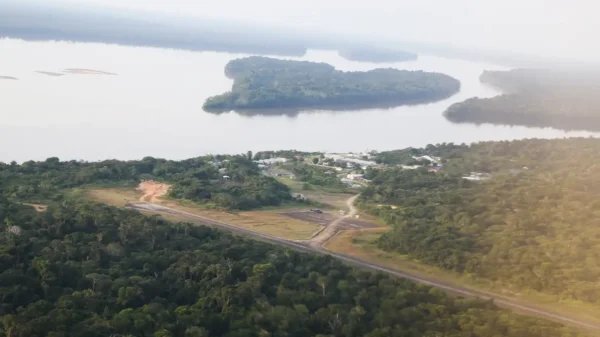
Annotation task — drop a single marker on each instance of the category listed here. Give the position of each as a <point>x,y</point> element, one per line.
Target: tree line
<point>224,181</point>
<point>535,98</point>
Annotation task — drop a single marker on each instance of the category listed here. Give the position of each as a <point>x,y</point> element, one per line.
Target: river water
<point>153,107</point>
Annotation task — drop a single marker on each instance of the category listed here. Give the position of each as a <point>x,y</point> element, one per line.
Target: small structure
<point>347,181</point>
<point>477,176</point>
<point>355,186</point>
<point>353,176</point>
<point>428,158</point>
<point>298,196</point>
<point>434,169</point>
<point>226,177</point>
<point>316,210</point>
<point>271,161</point>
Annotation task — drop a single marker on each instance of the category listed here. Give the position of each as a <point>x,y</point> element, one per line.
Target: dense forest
<point>536,98</point>
<point>377,55</point>
<point>263,83</point>
<point>82,269</point>
<point>533,226</point>
<point>198,179</point>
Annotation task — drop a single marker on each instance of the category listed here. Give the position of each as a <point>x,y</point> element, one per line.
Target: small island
<point>263,85</point>
<point>8,78</point>
<point>534,98</point>
<point>377,55</point>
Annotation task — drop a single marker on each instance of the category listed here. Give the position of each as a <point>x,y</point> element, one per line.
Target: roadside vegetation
<point>82,269</point>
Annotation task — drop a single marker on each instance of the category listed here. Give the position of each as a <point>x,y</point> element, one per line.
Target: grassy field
<point>266,222</point>
<point>327,197</point>
<point>361,244</point>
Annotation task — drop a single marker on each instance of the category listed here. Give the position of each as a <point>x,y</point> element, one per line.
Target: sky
<point>556,28</point>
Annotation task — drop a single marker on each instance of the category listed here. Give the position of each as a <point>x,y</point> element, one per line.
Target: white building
<point>271,161</point>
<point>428,158</point>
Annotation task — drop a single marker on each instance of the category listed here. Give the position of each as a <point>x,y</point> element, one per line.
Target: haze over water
<point>153,107</point>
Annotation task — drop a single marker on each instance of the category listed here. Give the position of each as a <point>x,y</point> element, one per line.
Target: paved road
<point>305,246</point>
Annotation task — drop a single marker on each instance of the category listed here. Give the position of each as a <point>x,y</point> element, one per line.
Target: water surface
<point>153,107</point>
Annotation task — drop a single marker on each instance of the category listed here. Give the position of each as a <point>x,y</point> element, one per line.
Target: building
<point>298,196</point>
<point>432,159</point>
<point>353,176</point>
<point>226,177</point>
<point>477,176</point>
<point>271,161</point>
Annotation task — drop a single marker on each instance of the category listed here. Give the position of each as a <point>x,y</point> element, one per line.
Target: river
<point>153,107</point>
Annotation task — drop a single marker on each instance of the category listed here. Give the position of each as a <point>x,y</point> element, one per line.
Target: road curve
<point>307,247</point>
<point>330,230</point>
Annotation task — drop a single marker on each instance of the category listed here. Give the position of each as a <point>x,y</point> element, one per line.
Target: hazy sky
<point>562,28</point>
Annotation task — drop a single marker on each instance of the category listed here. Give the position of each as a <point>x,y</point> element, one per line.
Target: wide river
<point>153,107</point>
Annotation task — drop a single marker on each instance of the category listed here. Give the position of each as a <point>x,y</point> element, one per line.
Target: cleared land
<point>38,207</point>
<point>361,244</point>
<point>325,219</point>
<point>264,222</point>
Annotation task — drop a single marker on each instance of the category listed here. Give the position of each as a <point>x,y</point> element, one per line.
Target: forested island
<point>279,86</point>
<point>531,225</point>
<point>377,55</point>
<point>536,98</point>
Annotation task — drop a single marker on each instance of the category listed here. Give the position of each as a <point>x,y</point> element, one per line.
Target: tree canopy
<point>537,98</point>
<point>198,179</point>
<point>84,269</point>
<point>532,226</point>
<point>265,83</point>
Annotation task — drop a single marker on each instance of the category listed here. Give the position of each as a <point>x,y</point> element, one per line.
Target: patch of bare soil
<point>38,207</point>
<point>152,190</point>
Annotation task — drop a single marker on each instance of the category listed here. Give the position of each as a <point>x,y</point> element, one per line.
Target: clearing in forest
<point>260,221</point>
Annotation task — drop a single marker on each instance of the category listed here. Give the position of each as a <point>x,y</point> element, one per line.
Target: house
<point>271,161</point>
<point>410,167</point>
<point>298,196</point>
<point>226,177</point>
<point>222,170</point>
<point>346,181</point>
<point>477,176</point>
<point>355,186</point>
<point>428,158</point>
<point>353,176</point>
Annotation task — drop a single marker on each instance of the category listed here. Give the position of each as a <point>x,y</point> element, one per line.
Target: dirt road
<point>152,190</point>
<point>330,230</point>
<point>309,246</point>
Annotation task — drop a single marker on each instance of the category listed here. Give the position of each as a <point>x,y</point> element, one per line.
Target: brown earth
<point>38,207</point>
<point>326,218</point>
<point>152,190</point>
